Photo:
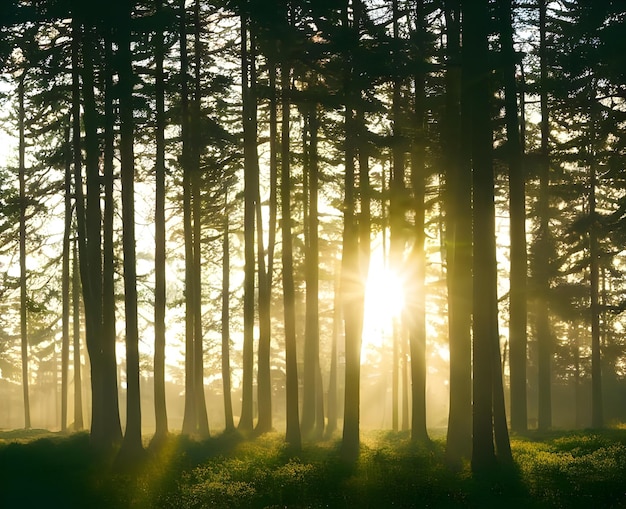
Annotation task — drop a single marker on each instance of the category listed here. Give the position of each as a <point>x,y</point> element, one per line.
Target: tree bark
<point>22,243</point>
<point>541,276</point>
<point>293,436</point>
<point>458,246</point>
<point>160,301</point>
<point>246,419</point>
<point>487,381</point>
<point>517,211</point>
<point>132,445</point>
<point>226,378</point>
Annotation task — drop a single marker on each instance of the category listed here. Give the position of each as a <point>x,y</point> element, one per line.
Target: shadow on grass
<point>562,470</point>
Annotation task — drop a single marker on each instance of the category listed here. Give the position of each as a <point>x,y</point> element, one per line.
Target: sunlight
<point>384,302</point>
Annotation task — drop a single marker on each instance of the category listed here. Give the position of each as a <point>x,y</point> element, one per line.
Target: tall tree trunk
<point>109,336</point>
<point>352,286</point>
<point>160,302</point>
<point>190,418</point>
<point>597,418</point>
<point>132,444</point>
<point>226,380</point>
<point>22,242</point>
<point>541,276</point>
<point>314,247</point>
<point>517,210</point>
<point>78,379</point>
<point>416,293</point>
<point>310,410</point>
<point>333,405</point>
<point>293,435</point>
<point>397,201</point>
<point>264,378</point>
<point>458,246</point>
<point>202,424</point>
<point>65,283</point>
<point>247,407</point>
<point>487,381</point>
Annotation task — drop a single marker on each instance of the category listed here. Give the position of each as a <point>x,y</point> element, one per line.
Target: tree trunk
<point>78,379</point>
<point>22,242</point>
<point>293,436</point>
<point>202,425</point>
<point>246,419</point>
<point>517,208</point>
<point>109,336</point>
<point>226,384</point>
<point>597,419</point>
<point>264,378</point>
<point>190,418</point>
<point>131,445</point>
<point>487,381</point>
<point>331,425</point>
<point>160,302</point>
<point>397,201</point>
<point>541,276</point>
<point>65,284</point>
<point>352,286</point>
<point>310,410</point>
<point>416,293</point>
<point>458,247</point>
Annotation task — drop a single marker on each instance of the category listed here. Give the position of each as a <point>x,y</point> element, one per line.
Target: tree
<point>352,285</point>
<point>517,211</point>
<point>249,147</point>
<point>131,446</point>
<point>543,241</point>
<point>22,243</point>
<point>160,303</point>
<point>458,243</point>
<point>293,435</point>
<point>416,308</point>
<point>487,377</point>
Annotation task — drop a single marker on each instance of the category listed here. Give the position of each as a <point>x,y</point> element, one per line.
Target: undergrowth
<point>559,470</point>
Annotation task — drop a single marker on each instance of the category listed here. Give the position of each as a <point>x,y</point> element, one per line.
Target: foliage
<point>558,469</point>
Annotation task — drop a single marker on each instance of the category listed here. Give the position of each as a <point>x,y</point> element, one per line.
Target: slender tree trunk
<point>264,379</point>
<point>132,444</point>
<point>542,324</point>
<point>202,424</point>
<point>597,419</point>
<point>396,216</point>
<point>78,379</point>
<point>65,284</point>
<point>331,425</point>
<point>81,260</point>
<point>109,336</point>
<point>160,301</point>
<point>293,436</point>
<point>458,247</point>
<point>310,410</point>
<point>190,418</point>
<point>226,384</point>
<point>22,242</point>
<point>517,208</point>
<point>264,373</point>
<point>247,407</point>
<point>352,286</point>
<point>416,293</point>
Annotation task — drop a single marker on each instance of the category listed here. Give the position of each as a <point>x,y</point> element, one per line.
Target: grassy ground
<point>564,470</point>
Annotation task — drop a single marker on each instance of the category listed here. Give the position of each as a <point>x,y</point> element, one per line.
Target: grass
<point>555,470</point>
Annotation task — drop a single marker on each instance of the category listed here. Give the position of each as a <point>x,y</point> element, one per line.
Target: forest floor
<point>560,469</point>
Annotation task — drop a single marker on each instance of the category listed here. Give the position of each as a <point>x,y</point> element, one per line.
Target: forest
<point>302,224</point>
